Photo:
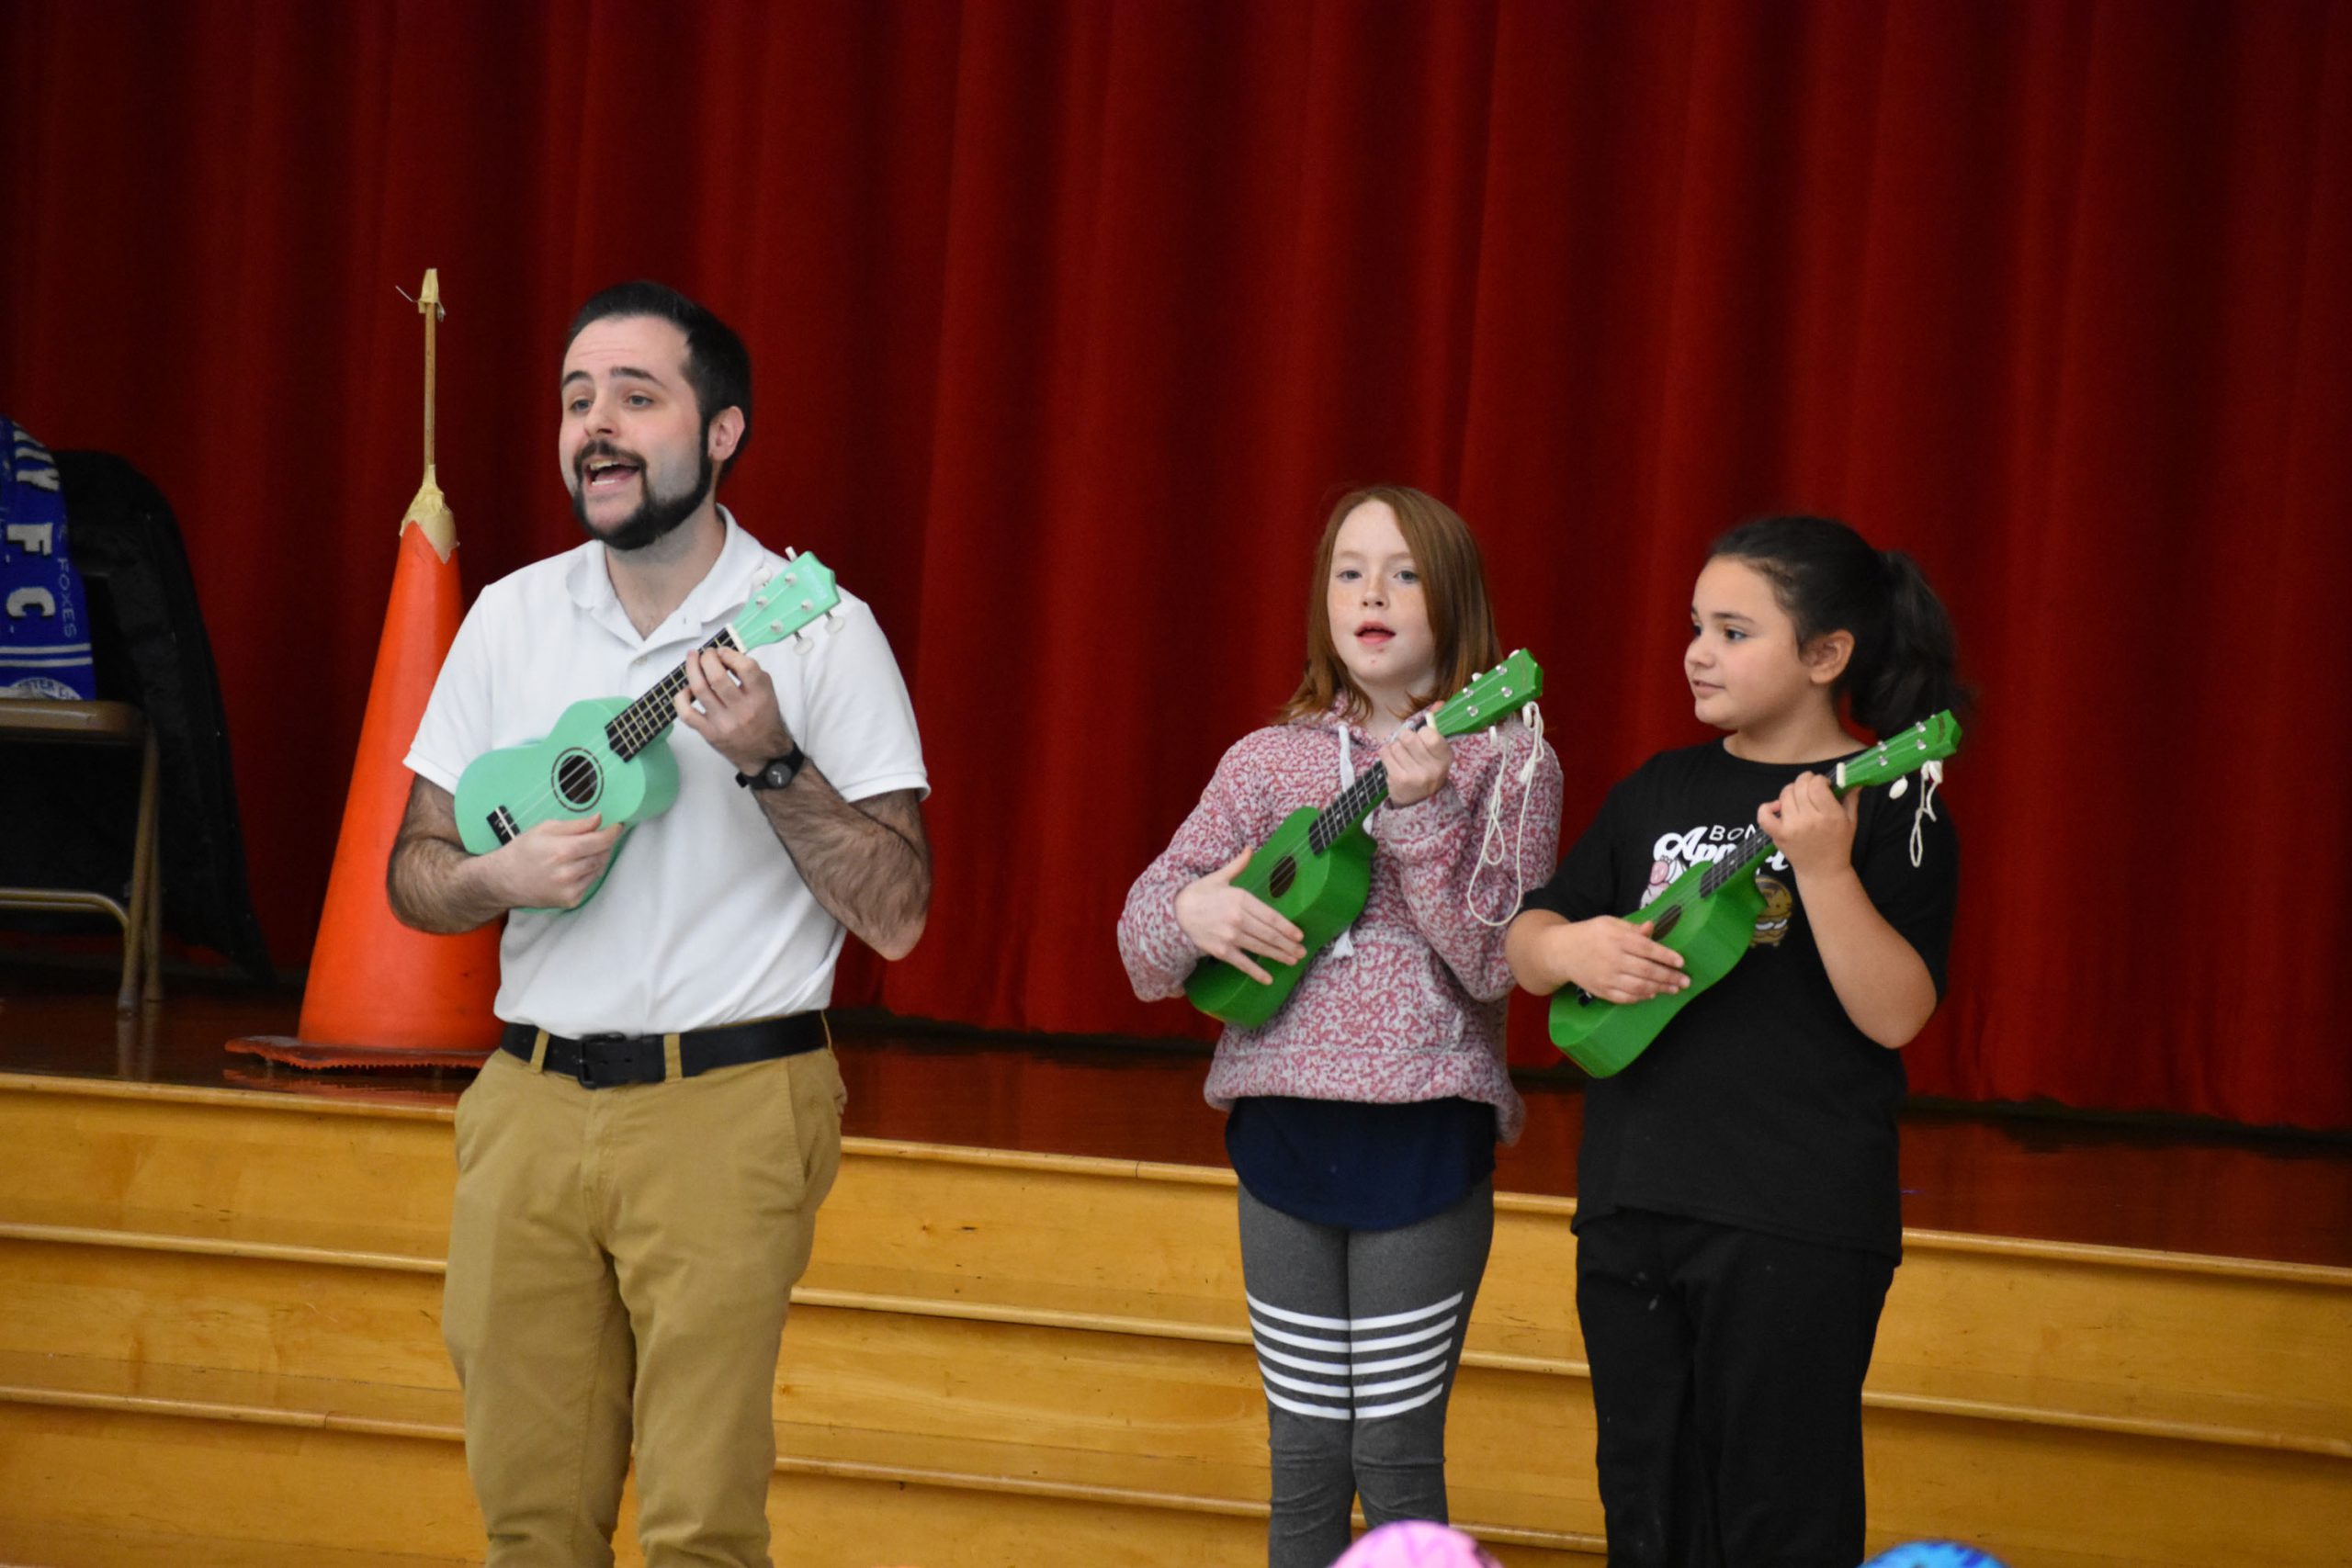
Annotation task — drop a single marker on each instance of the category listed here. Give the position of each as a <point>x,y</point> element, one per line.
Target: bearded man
<point>639,1168</point>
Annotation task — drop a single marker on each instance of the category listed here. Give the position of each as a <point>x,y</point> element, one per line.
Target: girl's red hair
<point>1453,586</point>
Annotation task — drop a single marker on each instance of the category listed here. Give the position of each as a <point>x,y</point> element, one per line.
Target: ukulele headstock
<point>1494,696</point>
<point>1931,740</point>
<point>801,591</point>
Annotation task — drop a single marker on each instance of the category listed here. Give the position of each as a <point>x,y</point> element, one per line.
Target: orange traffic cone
<point>380,993</point>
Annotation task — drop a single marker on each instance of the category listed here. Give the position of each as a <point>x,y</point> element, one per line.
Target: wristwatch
<point>776,772</point>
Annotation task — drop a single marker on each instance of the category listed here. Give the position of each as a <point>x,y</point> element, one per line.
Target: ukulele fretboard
<point>646,720</point>
<point>1752,848</point>
<point>1355,804</point>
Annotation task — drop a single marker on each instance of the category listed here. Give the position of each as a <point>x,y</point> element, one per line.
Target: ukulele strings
<point>527,812</point>
<point>1356,800</point>
<point>643,730</point>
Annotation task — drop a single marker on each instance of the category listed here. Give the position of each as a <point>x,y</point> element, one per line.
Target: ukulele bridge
<point>502,822</point>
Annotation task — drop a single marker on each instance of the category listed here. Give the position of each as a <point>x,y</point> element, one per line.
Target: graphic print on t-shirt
<point>1675,854</point>
<point>1780,904</point>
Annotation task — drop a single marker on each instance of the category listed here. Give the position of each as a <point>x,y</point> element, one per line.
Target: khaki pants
<point>620,1261</point>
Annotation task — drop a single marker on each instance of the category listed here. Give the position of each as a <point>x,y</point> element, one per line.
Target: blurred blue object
<point>1934,1554</point>
<point>45,629</point>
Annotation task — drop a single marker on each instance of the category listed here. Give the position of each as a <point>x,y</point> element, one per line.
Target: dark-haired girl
<point>1737,1218</point>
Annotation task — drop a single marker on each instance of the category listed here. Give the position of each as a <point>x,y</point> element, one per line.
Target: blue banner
<point>45,632</point>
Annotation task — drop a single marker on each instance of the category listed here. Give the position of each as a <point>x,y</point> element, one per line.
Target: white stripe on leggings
<point>1320,1412</point>
<point>1329,1391</point>
<point>1326,1413</point>
<point>1301,1341</point>
<point>1397,1385</point>
<point>1377,1411</point>
<point>1434,1330</point>
<point>1442,1327</point>
<point>1301,1363</point>
<point>1393,1362</point>
<point>1353,1324</point>
<point>1424,1366</point>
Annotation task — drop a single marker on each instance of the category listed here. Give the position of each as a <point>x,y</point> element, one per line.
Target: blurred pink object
<point>1413,1543</point>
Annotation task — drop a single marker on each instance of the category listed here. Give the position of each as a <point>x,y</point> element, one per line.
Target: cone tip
<point>431,512</point>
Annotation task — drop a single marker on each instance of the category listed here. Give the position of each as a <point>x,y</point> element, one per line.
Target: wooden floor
<point>1021,1343</point>
<point>2161,1186</point>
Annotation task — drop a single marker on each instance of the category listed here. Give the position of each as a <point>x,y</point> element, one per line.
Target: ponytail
<point>1916,671</point>
<point>1906,662</point>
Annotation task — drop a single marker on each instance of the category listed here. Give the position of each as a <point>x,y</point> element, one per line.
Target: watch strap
<point>792,762</point>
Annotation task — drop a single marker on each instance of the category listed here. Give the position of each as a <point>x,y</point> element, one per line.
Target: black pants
<point>1727,1378</point>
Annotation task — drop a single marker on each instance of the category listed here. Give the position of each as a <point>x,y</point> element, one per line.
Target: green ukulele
<point>1316,867</point>
<point>611,755</point>
<point>1708,915</point>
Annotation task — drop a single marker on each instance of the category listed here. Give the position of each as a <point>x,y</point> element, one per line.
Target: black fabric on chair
<point>151,649</point>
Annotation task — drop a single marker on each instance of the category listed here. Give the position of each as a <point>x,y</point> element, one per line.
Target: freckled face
<point>1380,620</point>
<point>1743,663</point>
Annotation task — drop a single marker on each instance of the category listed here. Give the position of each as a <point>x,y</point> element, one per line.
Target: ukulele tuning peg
<point>791,577</point>
<point>791,554</point>
<point>1899,788</point>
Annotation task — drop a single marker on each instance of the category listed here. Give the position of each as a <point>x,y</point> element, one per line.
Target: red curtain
<point>1070,319</point>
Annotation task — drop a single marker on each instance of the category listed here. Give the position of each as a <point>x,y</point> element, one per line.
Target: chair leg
<point>142,926</point>
<point>154,990</point>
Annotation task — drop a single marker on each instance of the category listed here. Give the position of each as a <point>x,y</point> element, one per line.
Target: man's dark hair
<point>718,367</point>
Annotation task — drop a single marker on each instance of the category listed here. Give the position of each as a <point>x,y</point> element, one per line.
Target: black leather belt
<point>607,1061</point>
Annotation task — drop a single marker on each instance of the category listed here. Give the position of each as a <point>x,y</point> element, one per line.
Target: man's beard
<point>657,516</point>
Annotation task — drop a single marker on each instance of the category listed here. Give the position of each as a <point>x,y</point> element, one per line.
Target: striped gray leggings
<point>1358,1335</point>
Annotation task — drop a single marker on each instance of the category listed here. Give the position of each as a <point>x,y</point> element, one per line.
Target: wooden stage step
<point>113,1547</point>
<point>219,1321</point>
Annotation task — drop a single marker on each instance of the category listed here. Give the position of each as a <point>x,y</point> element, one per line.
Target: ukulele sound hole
<point>1285,873</point>
<point>1665,922</point>
<point>578,780</point>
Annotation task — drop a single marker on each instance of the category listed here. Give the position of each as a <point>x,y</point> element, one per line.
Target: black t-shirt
<point>1760,1105</point>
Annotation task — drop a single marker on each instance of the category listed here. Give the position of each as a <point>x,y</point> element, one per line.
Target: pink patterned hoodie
<point>1416,1011</point>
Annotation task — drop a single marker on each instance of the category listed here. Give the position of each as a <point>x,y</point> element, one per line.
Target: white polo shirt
<point>703,918</point>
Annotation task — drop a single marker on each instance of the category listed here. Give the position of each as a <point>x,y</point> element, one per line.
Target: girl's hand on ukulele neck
<point>1616,961</point>
<point>1813,828</point>
<point>1229,922</point>
<point>1417,760</point>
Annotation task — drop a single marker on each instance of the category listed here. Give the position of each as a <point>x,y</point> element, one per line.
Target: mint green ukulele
<point>612,756</point>
<point>1708,915</point>
<point>1316,868</point>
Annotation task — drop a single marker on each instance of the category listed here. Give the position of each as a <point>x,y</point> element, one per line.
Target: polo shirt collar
<point>590,583</point>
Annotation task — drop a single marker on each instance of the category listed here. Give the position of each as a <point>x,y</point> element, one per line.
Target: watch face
<point>777,776</point>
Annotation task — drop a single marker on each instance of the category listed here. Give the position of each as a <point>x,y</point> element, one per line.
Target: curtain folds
<point>1070,319</point>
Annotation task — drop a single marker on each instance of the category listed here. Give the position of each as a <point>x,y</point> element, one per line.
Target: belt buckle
<point>585,1073</point>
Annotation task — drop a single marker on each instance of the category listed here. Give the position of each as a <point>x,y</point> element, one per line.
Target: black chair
<point>167,836</point>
